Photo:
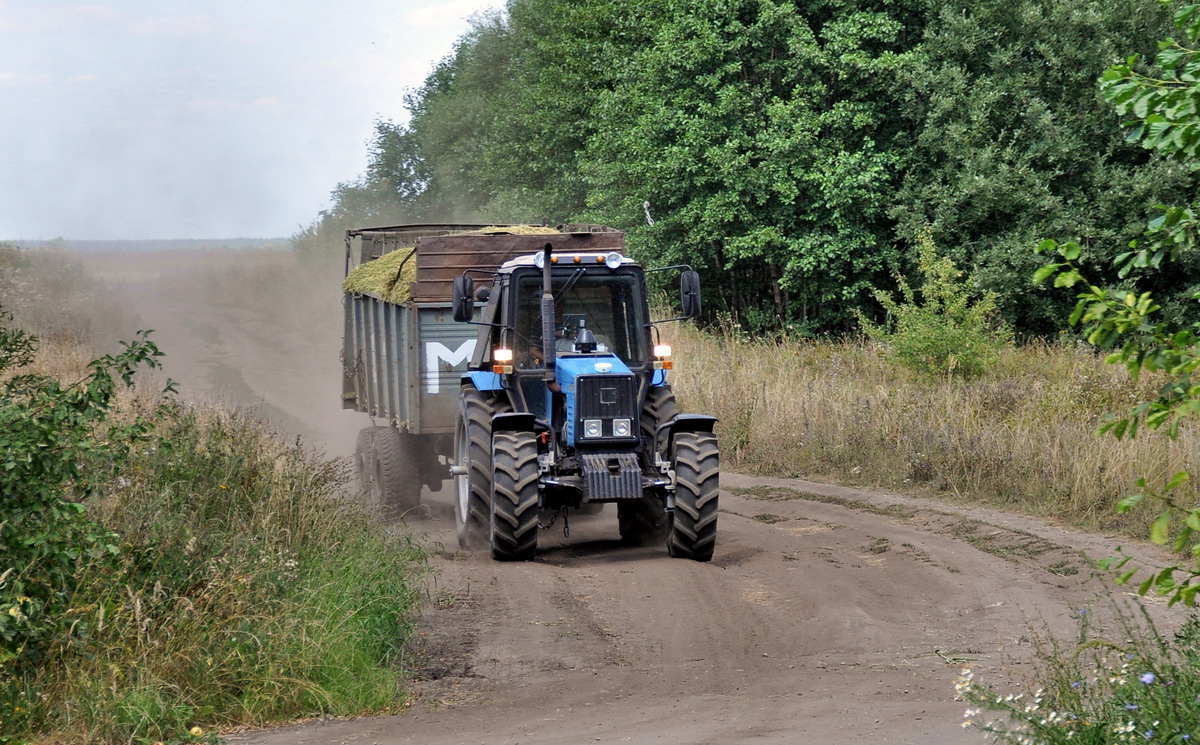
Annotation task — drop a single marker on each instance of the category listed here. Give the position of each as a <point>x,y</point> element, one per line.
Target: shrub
<point>168,567</point>
<point>946,333</point>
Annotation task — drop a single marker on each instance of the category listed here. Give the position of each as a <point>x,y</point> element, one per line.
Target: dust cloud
<point>256,329</point>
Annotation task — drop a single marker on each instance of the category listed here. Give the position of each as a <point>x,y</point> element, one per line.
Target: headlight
<point>620,428</point>
<point>613,260</point>
<point>592,428</point>
<point>662,350</point>
<point>500,354</point>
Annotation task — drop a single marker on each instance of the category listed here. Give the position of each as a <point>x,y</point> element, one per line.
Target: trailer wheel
<point>514,496</point>
<point>473,458</point>
<point>397,471</point>
<point>364,467</point>
<point>697,462</point>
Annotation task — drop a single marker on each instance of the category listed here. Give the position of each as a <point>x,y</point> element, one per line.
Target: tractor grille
<point>607,397</point>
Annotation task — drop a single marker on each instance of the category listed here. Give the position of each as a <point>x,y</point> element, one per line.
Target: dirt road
<point>828,615</point>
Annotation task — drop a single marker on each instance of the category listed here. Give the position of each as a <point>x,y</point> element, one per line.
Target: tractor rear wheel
<point>644,522</point>
<point>514,496</point>
<point>697,462</point>
<point>473,457</point>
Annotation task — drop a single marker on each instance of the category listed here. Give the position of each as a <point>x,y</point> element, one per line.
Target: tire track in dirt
<point>828,615</point>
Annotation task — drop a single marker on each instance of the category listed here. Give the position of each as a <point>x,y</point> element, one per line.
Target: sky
<point>145,119</point>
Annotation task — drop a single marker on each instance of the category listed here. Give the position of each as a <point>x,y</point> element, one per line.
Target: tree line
<point>790,151</point>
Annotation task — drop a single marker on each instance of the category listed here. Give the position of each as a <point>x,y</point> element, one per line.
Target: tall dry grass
<point>1020,438</point>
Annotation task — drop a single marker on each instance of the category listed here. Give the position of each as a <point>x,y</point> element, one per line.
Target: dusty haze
<point>256,329</point>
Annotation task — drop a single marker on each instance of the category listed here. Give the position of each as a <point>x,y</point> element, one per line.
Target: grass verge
<point>246,589</point>
<point>1020,438</point>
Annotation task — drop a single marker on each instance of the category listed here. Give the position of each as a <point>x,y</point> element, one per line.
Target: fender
<point>682,423</point>
<point>483,380</point>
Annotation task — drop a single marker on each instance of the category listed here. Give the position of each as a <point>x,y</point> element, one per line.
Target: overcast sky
<point>202,118</point>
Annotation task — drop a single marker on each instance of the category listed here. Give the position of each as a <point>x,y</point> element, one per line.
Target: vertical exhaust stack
<point>548,321</point>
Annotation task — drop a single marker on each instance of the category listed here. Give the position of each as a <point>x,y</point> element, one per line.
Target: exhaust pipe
<point>548,321</point>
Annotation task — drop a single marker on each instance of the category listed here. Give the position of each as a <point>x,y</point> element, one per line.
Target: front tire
<point>697,462</point>
<point>514,496</point>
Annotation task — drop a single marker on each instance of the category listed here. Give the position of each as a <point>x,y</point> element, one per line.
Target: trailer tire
<point>473,456</point>
<point>697,461</point>
<point>398,469</point>
<point>514,496</point>
<point>364,467</point>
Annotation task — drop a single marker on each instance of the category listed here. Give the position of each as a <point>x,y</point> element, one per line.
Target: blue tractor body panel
<point>569,369</point>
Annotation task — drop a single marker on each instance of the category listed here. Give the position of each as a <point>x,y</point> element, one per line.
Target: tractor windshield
<point>606,303</point>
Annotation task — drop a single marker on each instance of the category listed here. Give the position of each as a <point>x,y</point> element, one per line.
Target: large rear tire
<point>697,461</point>
<point>645,522</point>
<point>473,457</point>
<point>514,496</point>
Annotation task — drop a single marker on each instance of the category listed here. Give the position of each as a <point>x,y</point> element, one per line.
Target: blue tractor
<point>566,403</point>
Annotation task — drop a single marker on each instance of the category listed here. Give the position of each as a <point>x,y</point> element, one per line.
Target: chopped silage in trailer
<point>391,275</point>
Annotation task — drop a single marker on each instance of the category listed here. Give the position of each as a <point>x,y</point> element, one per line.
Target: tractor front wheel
<point>514,496</point>
<point>697,462</point>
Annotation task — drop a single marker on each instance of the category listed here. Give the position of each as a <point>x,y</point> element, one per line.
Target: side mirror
<point>464,298</point>
<point>689,290</point>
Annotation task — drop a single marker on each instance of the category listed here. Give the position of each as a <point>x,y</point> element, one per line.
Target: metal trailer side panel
<point>403,363</point>
<point>446,347</point>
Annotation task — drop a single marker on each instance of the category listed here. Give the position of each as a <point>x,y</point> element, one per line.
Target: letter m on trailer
<point>437,354</point>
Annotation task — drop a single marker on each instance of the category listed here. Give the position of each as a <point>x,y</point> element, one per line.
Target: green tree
<point>757,132</point>
<point>1126,319</point>
<point>1013,143</point>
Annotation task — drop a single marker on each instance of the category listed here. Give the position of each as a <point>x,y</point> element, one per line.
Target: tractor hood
<point>601,397</point>
<point>569,366</point>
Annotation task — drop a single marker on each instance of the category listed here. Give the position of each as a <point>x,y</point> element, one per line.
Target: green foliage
<point>248,590</point>
<point>1123,319</point>
<point>1123,322</point>
<point>788,150</point>
<point>758,132</point>
<point>57,444</point>
<point>164,567</point>
<point>1012,143</point>
<point>946,333</point>
<point>1092,690</point>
